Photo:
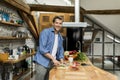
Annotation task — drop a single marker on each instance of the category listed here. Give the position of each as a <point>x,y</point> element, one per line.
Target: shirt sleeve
<point>43,42</point>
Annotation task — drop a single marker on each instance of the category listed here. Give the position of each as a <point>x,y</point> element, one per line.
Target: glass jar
<point>1,12</point>
<point>70,59</point>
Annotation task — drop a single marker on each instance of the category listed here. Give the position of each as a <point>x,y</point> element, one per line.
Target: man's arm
<point>48,55</point>
<point>62,61</point>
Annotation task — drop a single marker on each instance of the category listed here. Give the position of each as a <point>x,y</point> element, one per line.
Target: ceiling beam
<point>52,8</point>
<point>33,19</point>
<point>30,24</point>
<point>103,12</point>
<point>70,9</point>
<point>20,5</point>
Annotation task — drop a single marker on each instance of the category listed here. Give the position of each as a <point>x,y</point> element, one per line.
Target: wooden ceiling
<point>25,10</point>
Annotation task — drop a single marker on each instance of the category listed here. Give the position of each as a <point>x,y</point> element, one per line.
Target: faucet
<point>78,45</point>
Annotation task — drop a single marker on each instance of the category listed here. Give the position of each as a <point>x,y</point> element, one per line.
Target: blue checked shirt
<point>46,42</point>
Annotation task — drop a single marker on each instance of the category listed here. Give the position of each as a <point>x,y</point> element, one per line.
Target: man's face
<point>57,24</point>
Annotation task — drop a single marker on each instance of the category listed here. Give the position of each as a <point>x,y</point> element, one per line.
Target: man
<point>50,51</point>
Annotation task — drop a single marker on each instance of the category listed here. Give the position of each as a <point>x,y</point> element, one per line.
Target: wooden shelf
<point>11,24</point>
<point>13,61</point>
<point>16,77</point>
<point>12,38</point>
<point>21,58</point>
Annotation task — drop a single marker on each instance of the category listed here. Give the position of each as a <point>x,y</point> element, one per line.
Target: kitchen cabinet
<point>46,21</point>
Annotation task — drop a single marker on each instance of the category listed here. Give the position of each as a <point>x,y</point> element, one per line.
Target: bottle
<point>11,17</point>
<point>4,15</point>
<point>0,15</point>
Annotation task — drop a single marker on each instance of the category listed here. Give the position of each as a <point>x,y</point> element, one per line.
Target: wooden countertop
<point>88,72</point>
<point>12,61</point>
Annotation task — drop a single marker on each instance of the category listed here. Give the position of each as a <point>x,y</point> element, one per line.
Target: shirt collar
<point>52,30</point>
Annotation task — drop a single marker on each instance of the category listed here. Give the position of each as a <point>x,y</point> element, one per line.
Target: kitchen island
<point>82,72</point>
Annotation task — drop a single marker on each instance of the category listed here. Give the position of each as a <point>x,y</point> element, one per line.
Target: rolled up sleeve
<point>43,42</point>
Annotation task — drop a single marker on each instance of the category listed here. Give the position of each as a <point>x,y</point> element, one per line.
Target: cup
<point>16,57</point>
<point>70,59</point>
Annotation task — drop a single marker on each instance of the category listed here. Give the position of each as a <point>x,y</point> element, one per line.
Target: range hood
<point>77,23</point>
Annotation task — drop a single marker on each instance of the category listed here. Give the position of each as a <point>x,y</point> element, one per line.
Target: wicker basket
<point>4,56</point>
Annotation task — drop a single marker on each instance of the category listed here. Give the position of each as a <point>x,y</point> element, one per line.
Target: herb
<point>81,56</point>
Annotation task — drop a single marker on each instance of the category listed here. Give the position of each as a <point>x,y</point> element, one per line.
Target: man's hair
<point>57,17</point>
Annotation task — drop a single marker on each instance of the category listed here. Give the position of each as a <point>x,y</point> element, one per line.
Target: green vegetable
<point>81,56</point>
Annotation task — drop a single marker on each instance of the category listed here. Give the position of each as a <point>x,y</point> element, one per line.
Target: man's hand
<point>56,62</point>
